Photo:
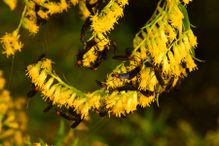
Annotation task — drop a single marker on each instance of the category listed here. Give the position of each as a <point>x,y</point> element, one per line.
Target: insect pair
<point>101,56</point>
<point>69,114</point>
<point>93,7</point>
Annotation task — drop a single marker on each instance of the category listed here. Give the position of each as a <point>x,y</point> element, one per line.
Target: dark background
<point>185,116</point>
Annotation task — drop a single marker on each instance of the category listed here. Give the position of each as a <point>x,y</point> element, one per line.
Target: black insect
<point>81,52</point>
<point>76,123</point>
<point>131,87</point>
<point>77,118</point>
<point>85,30</point>
<point>39,19</point>
<point>41,57</point>
<point>128,75</point>
<point>33,91</point>
<point>147,93</point>
<point>100,84</point>
<point>64,115</point>
<point>127,87</point>
<point>159,77</point>
<point>157,72</point>
<point>92,7</point>
<point>102,111</point>
<point>101,56</point>
<point>73,116</point>
<point>125,57</point>
<point>48,108</point>
<point>79,56</point>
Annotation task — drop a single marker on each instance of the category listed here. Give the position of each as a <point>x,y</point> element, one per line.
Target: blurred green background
<point>188,115</point>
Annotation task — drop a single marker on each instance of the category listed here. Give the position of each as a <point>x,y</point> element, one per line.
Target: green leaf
<point>193,56</point>
<point>186,23</point>
<point>60,134</point>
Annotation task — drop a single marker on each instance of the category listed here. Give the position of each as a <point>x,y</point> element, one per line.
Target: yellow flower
<point>11,43</point>
<point>11,3</point>
<point>39,81</point>
<point>63,5</point>
<point>121,103</point>
<point>74,2</point>
<point>30,25</point>
<point>144,77</point>
<point>145,101</point>
<point>190,64</point>
<point>43,14</point>
<point>33,71</point>
<point>108,16</point>
<point>47,64</point>
<point>187,1</point>
<point>54,7</point>
<point>192,38</point>
<point>83,11</point>
<point>176,17</point>
<point>90,57</point>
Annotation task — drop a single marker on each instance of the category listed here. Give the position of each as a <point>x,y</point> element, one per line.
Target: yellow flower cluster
<point>13,120</point>
<point>57,92</point>
<point>162,55</point>
<point>11,43</point>
<point>33,12</point>
<point>62,95</point>
<point>104,20</point>
<point>167,39</point>
<point>162,50</point>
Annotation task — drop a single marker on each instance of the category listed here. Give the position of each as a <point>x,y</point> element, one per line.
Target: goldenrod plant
<point>163,54</point>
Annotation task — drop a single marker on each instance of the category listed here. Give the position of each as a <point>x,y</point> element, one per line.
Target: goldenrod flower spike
<point>104,21</point>
<point>168,31</point>
<point>160,49</point>
<point>29,17</point>
<point>122,103</point>
<point>10,43</point>
<point>59,93</point>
